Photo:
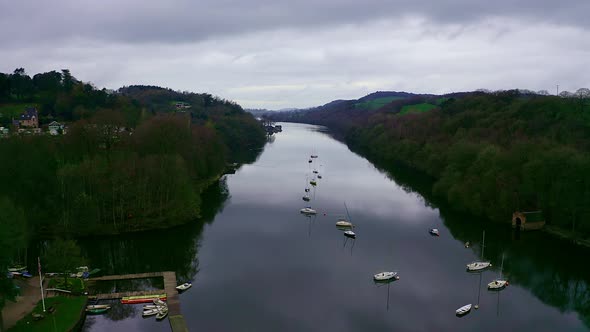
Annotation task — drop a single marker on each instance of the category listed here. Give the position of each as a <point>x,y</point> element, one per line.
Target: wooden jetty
<point>177,323</point>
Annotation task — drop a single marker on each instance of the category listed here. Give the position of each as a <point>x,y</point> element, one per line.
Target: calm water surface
<point>257,264</point>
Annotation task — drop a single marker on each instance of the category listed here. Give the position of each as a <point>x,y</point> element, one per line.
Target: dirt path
<point>30,295</point>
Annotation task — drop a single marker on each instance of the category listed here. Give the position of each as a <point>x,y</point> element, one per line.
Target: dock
<point>177,323</point>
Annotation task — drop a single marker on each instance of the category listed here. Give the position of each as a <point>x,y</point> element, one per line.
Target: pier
<point>177,323</point>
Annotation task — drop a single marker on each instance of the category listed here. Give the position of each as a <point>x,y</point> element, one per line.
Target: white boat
<point>386,276</point>
<point>463,310</point>
<point>150,312</point>
<point>159,302</point>
<point>306,190</point>
<point>184,286</point>
<point>161,314</point>
<point>150,306</point>
<point>308,210</point>
<point>500,283</point>
<point>350,234</point>
<point>343,223</point>
<point>434,231</point>
<point>97,306</point>
<point>479,265</point>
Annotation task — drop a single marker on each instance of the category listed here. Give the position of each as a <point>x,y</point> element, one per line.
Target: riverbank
<point>566,235</point>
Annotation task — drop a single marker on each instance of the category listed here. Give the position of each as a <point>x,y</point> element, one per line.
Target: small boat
<point>306,190</point>
<point>467,244</point>
<point>142,299</point>
<point>17,268</point>
<point>151,306</point>
<point>97,306</point>
<point>385,276</point>
<point>184,286</point>
<point>434,231</point>
<point>315,171</point>
<point>308,210</point>
<point>350,234</point>
<point>98,310</point>
<point>150,312</point>
<point>479,265</point>
<point>313,183</point>
<point>497,284</point>
<point>314,156</point>
<point>159,302</point>
<point>463,310</point>
<point>500,283</point>
<point>319,176</point>
<point>309,161</point>
<point>26,274</point>
<point>161,314</point>
<point>306,198</point>
<point>344,224</point>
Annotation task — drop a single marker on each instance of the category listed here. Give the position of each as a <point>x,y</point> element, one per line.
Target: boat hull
<point>142,299</point>
<point>464,310</point>
<point>478,266</point>
<point>497,285</point>
<point>385,276</point>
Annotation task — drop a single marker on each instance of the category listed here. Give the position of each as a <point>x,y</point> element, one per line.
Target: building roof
<point>28,114</point>
<point>54,123</point>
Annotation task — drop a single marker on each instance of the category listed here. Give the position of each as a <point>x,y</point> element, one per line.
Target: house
<point>55,128</point>
<point>29,118</point>
<point>528,220</point>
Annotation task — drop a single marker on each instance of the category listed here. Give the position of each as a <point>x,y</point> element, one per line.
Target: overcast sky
<point>299,53</point>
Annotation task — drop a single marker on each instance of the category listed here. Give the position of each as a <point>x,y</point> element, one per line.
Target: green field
<point>14,109</point>
<point>376,103</point>
<point>67,313</point>
<point>416,108</point>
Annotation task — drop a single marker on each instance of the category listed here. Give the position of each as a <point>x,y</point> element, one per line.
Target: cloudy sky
<point>285,53</point>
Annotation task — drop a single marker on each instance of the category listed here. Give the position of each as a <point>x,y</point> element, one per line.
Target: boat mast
<point>483,244</point>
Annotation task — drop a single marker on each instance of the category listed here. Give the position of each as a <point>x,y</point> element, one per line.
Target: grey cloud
<point>141,21</point>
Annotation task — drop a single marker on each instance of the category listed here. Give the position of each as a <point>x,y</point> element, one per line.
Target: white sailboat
<point>385,276</point>
<point>349,233</point>
<point>308,210</point>
<point>500,283</point>
<point>479,265</point>
<point>184,286</point>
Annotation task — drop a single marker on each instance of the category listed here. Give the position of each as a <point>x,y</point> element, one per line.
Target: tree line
<point>489,153</point>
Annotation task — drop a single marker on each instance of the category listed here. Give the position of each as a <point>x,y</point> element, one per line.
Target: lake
<point>258,264</point>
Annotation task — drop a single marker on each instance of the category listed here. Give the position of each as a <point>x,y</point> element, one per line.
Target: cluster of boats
<point>342,224</point>
<point>18,271</point>
<point>478,266</point>
<point>158,308</point>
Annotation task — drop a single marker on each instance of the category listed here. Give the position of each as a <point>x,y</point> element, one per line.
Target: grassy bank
<point>68,311</point>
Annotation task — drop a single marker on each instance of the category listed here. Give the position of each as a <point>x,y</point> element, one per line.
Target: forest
<point>487,153</point>
<point>129,160</point>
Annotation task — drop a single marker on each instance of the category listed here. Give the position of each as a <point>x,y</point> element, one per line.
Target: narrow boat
<point>313,182</point>
<point>479,265</point>
<point>306,190</point>
<point>150,306</point>
<point>306,198</point>
<point>26,274</point>
<point>500,283</point>
<point>463,310</point>
<point>184,286</point>
<point>309,161</point>
<point>434,231</point>
<point>150,312</point>
<point>385,276</point>
<point>97,306</point>
<point>161,314</point>
<point>319,176</point>
<point>308,210</point>
<point>142,299</point>
<point>315,171</point>
<point>98,310</point>
<point>350,234</point>
<point>314,156</point>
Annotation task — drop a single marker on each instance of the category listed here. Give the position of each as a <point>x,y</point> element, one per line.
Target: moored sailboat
<point>479,265</point>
